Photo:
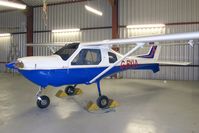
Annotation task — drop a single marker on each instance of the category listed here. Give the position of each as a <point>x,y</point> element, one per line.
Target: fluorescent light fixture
<point>12,4</point>
<point>97,12</point>
<point>146,26</point>
<point>4,34</point>
<point>66,30</point>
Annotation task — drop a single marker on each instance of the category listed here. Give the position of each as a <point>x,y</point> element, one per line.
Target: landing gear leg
<point>102,100</point>
<point>42,101</point>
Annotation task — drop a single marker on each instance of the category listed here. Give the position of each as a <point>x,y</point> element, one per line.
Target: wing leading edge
<point>147,39</point>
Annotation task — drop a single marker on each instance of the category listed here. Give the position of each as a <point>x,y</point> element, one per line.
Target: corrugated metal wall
<point>20,41</point>
<point>4,50</point>
<point>82,36</point>
<point>158,11</point>
<point>164,11</point>
<point>12,22</point>
<point>7,52</point>
<point>71,16</point>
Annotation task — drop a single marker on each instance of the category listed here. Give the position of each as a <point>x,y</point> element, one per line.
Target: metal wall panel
<point>82,36</point>
<point>4,50</point>
<point>10,22</point>
<point>158,11</point>
<point>73,15</point>
<point>6,55</point>
<point>20,41</point>
<point>163,11</point>
<point>14,21</point>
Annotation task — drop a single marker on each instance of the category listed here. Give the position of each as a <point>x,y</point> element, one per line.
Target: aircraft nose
<point>10,65</point>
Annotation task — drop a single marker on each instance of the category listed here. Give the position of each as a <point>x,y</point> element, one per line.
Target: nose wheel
<point>43,101</point>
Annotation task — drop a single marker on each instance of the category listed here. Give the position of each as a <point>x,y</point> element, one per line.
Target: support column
<point>30,30</point>
<point>115,23</point>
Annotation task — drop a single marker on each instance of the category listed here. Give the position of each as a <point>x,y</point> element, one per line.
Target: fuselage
<point>78,65</point>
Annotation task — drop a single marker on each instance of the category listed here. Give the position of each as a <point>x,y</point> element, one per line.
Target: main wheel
<point>43,102</point>
<point>70,90</point>
<point>103,102</point>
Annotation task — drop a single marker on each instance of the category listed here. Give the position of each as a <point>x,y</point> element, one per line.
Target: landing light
<point>12,4</point>
<point>146,26</point>
<point>97,12</point>
<point>66,30</point>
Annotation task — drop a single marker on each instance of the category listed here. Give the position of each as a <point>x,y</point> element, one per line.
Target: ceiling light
<point>66,30</point>
<point>93,10</point>
<point>4,34</point>
<point>146,26</point>
<point>12,4</point>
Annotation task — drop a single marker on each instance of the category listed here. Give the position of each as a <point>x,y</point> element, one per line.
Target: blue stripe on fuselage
<point>59,77</point>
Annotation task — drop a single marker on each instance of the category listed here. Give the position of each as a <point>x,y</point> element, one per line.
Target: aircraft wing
<point>148,39</point>
<point>140,42</point>
<point>47,44</point>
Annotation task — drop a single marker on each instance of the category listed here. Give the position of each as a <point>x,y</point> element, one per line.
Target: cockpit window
<point>66,51</point>
<point>87,57</point>
<point>112,57</point>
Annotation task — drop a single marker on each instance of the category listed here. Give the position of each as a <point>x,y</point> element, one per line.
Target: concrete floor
<point>146,106</point>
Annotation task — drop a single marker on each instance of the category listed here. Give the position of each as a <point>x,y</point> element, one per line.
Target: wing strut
<point>118,61</point>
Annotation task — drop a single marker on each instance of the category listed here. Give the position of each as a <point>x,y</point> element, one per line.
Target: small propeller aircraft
<point>88,63</point>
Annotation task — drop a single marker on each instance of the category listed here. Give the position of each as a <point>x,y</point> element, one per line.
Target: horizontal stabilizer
<point>174,63</point>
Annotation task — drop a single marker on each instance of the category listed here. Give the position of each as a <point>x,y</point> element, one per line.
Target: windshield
<point>66,51</point>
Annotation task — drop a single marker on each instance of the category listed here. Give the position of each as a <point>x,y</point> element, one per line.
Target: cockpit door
<point>86,63</point>
<point>87,57</point>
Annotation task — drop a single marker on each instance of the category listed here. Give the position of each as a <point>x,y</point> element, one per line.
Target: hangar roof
<point>37,3</point>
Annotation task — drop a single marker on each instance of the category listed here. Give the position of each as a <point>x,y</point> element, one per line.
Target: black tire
<point>70,90</point>
<point>43,102</point>
<point>103,102</point>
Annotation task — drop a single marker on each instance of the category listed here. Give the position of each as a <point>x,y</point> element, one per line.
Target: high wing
<point>147,39</point>
<point>140,42</point>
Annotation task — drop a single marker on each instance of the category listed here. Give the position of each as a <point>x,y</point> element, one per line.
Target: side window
<point>112,57</point>
<point>87,57</point>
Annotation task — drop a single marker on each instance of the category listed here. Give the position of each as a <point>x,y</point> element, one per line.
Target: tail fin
<point>153,53</point>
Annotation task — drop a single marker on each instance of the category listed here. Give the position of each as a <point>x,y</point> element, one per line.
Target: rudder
<point>153,53</point>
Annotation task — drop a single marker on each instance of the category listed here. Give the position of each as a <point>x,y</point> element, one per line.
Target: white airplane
<point>88,63</point>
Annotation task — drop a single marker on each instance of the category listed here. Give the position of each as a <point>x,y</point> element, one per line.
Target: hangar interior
<point>150,102</point>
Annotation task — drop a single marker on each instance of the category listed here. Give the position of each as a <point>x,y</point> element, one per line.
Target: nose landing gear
<point>42,101</point>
